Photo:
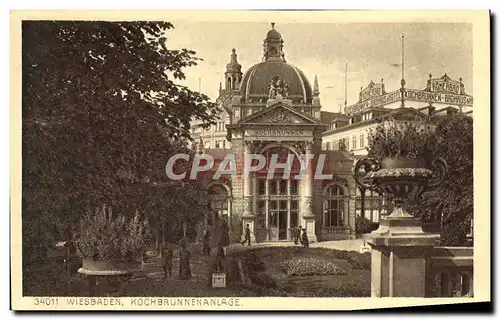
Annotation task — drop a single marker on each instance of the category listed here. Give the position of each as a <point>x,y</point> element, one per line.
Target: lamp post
<point>362,189</point>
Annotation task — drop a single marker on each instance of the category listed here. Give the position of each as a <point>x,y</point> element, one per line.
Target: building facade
<point>273,111</point>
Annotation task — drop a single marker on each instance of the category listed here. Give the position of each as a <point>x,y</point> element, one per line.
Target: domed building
<point>273,111</point>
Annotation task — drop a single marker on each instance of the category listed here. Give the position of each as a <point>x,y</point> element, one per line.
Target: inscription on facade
<point>276,132</point>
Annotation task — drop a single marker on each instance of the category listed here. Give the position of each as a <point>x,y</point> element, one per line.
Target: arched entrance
<point>220,200</point>
<point>277,198</point>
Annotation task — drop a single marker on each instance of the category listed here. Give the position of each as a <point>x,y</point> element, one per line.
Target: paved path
<point>348,245</point>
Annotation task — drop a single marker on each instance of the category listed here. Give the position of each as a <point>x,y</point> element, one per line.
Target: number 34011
<point>46,301</point>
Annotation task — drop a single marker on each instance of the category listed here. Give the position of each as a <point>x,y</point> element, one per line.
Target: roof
<point>327,117</point>
<point>403,111</point>
<point>218,154</point>
<point>256,80</point>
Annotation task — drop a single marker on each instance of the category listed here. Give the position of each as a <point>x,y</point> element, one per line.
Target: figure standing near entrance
<point>305,239</point>
<point>247,235</point>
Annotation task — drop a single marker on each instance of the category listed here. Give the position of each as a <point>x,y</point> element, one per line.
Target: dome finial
<point>316,86</point>
<point>272,24</point>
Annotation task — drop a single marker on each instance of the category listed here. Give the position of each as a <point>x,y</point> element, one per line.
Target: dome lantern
<point>273,46</point>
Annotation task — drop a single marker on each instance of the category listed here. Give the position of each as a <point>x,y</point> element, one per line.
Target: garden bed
<point>310,266</point>
<point>297,271</point>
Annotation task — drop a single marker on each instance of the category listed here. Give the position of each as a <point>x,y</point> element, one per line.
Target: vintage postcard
<point>249,160</point>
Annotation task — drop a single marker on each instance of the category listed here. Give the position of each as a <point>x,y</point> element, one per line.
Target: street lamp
<point>362,190</point>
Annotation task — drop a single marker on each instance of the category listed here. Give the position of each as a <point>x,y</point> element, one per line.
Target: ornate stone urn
<point>401,180</point>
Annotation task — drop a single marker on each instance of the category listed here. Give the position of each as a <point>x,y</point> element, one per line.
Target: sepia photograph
<point>174,162</point>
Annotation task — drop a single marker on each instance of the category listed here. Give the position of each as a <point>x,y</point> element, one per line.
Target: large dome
<point>256,81</point>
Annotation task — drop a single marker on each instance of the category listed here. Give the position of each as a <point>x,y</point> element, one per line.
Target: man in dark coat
<point>247,235</point>
<point>225,233</point>
<point>206,243</point>
<point>167,255</point>
<point>305,239</point>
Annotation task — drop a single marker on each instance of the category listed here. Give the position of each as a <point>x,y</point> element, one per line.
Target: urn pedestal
<point>106,275</point>
<point>400,246</point>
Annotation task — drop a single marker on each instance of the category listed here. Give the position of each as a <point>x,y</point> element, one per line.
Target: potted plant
<point>408,144</point>
<point>111,244</point>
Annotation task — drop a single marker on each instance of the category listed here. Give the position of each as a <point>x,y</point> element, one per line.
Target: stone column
<point>248,216</point>
<point>308,216</point>
<point>400,249</point>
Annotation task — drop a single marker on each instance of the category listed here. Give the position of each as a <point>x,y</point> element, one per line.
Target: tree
<point>101,115</point>
<point>452,203</point>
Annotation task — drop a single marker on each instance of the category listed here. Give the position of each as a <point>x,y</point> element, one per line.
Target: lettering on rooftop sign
<point>445,86</point>
<point>412,95</point>
<point>372,90</point>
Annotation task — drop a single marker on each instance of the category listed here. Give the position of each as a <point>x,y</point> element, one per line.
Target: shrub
<point>363,225</point>
<point>360,261</point>
<point>310,266</point>
<point>252,262</point>
<point>101,235</point>
<point>262,279</point>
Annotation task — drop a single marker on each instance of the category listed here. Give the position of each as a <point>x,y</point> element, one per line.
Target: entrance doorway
<point>278,207</point>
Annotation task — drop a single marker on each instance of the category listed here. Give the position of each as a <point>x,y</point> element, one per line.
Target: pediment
<point>279,114</point>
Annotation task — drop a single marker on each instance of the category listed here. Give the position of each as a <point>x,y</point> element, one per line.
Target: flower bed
<point>308,266</point>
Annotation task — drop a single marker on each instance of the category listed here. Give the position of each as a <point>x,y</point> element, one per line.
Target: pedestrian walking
<point>247,235</point>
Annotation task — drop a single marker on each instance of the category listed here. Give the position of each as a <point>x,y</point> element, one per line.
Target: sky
<point>372,51</point>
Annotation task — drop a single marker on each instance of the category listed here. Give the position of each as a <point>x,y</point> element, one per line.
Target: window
<point>354,142</point>
<point>374,205</point>
<point>223,144</point>
<point>334,206</point>
<point>207,144</point>
<point>294,187</point>
<point>346,142</point>
<point>246,112</point>
<point>362,141</point>
<point>261,187</point>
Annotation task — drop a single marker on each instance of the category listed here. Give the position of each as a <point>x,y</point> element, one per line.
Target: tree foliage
<point>452,203</point>
<point>102,114</point>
